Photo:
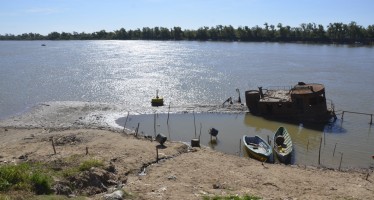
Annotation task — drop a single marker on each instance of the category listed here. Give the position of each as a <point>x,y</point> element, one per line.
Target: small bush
<point>24,177</point>
<point>41,183</point>
<point>13,176</point>
<point>69,172</point>
<point>86,165</point>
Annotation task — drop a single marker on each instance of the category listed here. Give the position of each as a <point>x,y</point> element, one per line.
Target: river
<point>195,73</point>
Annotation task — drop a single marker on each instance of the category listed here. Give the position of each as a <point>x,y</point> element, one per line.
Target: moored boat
<point>302,103</point>
<point>283,145</point>
<point>258,148</point>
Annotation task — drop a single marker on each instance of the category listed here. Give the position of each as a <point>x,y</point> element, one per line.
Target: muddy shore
<point>88,131</point>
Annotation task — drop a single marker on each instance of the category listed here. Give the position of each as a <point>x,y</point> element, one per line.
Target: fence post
<point>240,146</point>
<point>156,154</point>
<point>341,159</point>
<point>53,145</point>
<point>124,126</point>
<point>319,154</point>
<point>333,154</point>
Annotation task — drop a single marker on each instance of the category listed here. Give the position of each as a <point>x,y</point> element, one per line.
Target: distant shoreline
<point>335,33</point>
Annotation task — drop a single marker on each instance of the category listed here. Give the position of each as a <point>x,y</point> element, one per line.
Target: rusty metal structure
<point>301,103</point>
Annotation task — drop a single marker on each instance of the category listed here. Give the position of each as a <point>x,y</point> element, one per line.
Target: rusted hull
<point>304,103</point>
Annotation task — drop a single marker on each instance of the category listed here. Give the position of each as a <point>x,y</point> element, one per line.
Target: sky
<point>46,16</point>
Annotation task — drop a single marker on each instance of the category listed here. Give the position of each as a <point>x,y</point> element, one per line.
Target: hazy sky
<point>45,16</point>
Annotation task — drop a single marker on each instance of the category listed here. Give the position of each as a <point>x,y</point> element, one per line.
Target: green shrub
<point>69,172</point>
<point>41,183</point>
<point>13,176</point>
<point>24,177</point>
<point>87,164</point>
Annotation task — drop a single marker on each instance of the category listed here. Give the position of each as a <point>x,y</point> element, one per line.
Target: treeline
<point>307,32</point>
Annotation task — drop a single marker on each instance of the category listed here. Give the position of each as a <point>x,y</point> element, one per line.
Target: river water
<point>189,73</point>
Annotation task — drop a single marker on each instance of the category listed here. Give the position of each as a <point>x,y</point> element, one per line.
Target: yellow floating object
<point>157,102</point>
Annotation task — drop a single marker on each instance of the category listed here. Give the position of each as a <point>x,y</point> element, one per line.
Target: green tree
<point>177,33</point>
<point>213,33</point>
<point>164,33</point>
<point>100,35</point>
<point>228,33</point>
<point>241,34</point>
<point>202,33</point>
<point>147,33</point>
<point>53,36</point>
<point>65,36</point>
<point>189,34</point>
<point>370,34</point>
<point>257,33</point>
<point>136,34</point>
<point>266,32</point>
<point>121,34</point>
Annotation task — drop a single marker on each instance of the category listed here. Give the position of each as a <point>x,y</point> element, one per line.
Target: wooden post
<point>319,154</point>
<point>154,124</point>
<point>333,153</point>
<point>137,130</point>
<point>367,175</point>
<point>86,150</point>
<point>324,138</point>
<point>194,121</point>
<point>169,132</point>
<point>53,145</point>
<point>341,159</point>
<point>167,121</point>
<point>201,126</point>
<point>360,113</point>
<point>124,126</point>
<point>156,154</point>
<point>240,146</point>
<point>307,146</point>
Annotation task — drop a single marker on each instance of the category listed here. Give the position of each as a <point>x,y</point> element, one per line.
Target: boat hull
<point>258,149</point>
<point>257,156</point>
<point>283,147</point>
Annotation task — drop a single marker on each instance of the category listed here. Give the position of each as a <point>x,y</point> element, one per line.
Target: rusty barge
<point>302,103</point>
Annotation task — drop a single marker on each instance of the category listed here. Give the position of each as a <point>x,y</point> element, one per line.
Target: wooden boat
<point>157,101</point>
<point>258,148</point>
<point>283,145</point>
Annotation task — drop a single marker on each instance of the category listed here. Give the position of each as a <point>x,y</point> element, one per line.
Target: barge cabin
<point>302,103</point>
